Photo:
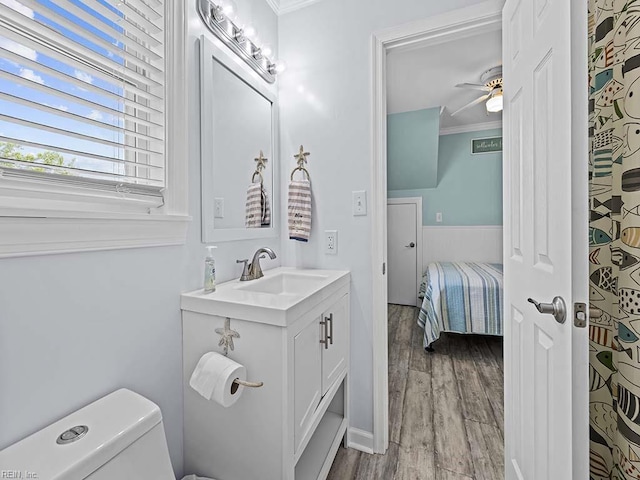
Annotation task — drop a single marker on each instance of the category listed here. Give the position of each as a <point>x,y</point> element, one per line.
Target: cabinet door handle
<point>329,321</point>
<point>326,333</point>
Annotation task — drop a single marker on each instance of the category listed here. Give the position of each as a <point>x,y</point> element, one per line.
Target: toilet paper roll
<point>213,378</point>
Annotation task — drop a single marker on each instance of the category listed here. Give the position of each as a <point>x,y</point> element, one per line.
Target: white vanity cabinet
<point>320,358</point>
<point>294,337</point>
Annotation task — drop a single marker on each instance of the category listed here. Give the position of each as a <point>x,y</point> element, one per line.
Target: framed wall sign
<point>486,145</point>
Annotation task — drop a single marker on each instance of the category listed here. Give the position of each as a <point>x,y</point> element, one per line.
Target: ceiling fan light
<point>494,104</point>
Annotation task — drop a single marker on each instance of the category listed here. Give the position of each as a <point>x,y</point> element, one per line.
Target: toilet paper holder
<point>244,383</point>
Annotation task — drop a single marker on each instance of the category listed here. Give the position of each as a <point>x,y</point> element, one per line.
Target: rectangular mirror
<point>238,132</point>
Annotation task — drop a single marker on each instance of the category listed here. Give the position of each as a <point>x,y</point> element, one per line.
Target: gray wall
<point>75,327</point>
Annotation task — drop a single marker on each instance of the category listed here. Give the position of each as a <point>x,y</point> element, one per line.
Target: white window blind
<point>82,93</point>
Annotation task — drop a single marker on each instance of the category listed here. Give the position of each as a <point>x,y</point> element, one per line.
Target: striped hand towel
<point>253,217</point>
<point>266,208</point>
<point>300,210</point>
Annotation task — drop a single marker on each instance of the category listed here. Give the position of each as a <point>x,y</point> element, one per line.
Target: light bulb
<point>494,104</point>
<point>266,50</point>
<point>249,32</point>
<point>229,9</point>
<point>280,66</point>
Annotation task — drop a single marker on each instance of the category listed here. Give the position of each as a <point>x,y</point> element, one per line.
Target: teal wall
<point>469,188</point>
<point>412,149</point>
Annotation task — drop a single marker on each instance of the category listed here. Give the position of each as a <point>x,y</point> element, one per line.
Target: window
<point>83,101</point>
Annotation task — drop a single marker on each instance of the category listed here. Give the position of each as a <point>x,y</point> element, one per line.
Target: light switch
<point>359,202</point>
<point>439,217</point>
<point>218,208</point>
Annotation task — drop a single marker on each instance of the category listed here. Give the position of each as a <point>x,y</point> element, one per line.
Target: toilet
<point>120,436</point>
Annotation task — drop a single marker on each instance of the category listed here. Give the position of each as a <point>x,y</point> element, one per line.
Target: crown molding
<point>474,127</point>
<point>275,6</point>
<point>280,7</point>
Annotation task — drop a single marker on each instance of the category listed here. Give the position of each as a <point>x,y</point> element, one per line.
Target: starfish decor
<point>261,162</point>
<point>301,157</point>
<point>226,336</point>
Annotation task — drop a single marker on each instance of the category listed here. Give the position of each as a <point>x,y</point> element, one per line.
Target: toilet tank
<point>124,440</point>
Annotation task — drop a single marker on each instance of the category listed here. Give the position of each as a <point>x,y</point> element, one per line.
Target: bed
<point>462,297</point>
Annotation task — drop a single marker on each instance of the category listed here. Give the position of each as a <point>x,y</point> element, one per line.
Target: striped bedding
<point>461,297</point>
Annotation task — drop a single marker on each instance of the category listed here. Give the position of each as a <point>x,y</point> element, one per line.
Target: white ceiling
<point>425,77</point>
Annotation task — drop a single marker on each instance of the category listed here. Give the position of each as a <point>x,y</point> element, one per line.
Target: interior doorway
<point>433,31</point>
<point>541,352</point>
<point>445,320</point>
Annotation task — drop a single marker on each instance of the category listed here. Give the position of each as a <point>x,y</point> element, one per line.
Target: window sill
<point>28,234</point>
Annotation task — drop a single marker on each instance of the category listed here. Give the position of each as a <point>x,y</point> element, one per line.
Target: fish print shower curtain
<point>614,238</point>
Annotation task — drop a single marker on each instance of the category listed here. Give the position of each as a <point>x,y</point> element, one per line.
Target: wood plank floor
<point>445,409</point>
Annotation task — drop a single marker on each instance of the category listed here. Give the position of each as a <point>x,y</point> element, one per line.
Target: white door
<point>402,256</point>
<point>545,247</point>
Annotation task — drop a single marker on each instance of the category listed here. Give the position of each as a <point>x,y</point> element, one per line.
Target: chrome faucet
<point>253,270</point>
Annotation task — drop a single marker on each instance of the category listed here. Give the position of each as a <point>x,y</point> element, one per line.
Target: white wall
<point>461,244</point>
<point>325,104</point>
<point>75,327</point>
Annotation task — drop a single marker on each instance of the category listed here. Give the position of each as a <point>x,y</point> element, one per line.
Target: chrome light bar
<point>213,16</point>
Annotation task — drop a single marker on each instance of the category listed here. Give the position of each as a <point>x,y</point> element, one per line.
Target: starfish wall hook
<point>226,336</point>
<point>261,162</point>
<point>301,157</point>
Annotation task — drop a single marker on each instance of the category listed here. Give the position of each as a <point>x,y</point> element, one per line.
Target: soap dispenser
<point>210,271</point>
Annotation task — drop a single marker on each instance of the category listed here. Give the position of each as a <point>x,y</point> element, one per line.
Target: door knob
<point>411,245</point>
<point>557,308</point>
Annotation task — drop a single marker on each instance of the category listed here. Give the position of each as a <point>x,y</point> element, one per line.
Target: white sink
<point>278,298</point>
<point>285,283</point>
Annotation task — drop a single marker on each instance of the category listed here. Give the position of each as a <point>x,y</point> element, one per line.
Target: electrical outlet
<point>439,217</point>
<point>331,242</point>
<point>218,208</point>
<point>359,203</point>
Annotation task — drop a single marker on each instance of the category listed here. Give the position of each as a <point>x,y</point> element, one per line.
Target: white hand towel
<point>253,217</point>
<point>300,210</point>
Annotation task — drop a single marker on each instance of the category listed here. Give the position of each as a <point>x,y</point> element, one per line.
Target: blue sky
<point>106,30</point>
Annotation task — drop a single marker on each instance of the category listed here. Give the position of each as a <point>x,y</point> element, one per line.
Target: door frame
<point>417,201</point>
<point>461,23</point>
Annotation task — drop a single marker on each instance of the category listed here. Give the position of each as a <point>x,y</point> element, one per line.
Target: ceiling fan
<point>491,83</point>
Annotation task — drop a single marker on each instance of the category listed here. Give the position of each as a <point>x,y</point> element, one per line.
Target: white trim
<point>474,127</point>
<point>177,195</point>
<point>288,6</point>
<point>579,218</point>
<point>417,201</point>
<point>379,247</point>
<point>21,235</point>
<point>360,440</point>
<point>462,227</point>
<point>53,223</point>
<point>456,24</point>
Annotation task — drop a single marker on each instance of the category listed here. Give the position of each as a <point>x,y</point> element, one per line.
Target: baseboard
<point>360,440</point>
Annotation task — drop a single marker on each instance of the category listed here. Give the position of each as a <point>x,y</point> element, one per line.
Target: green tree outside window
<point>13,151</point>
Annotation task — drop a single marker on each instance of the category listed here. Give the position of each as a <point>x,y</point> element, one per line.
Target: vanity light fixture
<point>217,16</point>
